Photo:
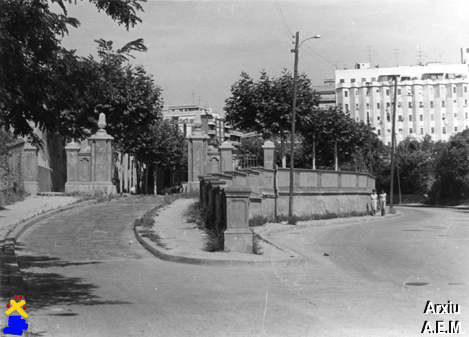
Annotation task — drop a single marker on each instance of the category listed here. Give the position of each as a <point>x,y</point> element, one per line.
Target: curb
<point>161,254</point>
<point>12,279</point>
<point>337,221</point>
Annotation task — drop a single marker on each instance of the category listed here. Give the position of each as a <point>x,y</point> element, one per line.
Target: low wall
<point>315,191</point>
<point>11,171</point>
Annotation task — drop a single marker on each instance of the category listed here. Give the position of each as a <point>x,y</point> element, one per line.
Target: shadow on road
<point>45,289</point>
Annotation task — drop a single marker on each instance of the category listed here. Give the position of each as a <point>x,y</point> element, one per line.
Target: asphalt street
<point>87,276</point>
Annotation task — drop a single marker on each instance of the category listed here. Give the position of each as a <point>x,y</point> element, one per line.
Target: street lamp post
<point>292,136</point>
<point>393,145</point>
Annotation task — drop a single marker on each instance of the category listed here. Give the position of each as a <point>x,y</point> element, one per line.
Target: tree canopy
<point>39,79</point>
<point>265,106</point>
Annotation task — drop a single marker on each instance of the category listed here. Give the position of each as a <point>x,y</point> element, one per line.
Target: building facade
<point>430,99</point>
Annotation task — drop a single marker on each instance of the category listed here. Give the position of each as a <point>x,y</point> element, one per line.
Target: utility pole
<point>393,144</point>
<point>193,95</point>
<point>292,138</point>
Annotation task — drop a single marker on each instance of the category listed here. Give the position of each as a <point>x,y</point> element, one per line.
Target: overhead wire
<point>282,19</point>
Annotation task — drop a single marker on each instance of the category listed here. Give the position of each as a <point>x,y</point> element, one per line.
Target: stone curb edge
<point>20,228</point>
<point>15,282</point>
<point>158,252</point>
<point>336,221</point>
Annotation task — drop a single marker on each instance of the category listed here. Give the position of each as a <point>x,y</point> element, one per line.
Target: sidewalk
<point>12,215</point>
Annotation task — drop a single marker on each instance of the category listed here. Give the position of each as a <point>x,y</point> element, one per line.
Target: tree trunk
<point>314,151</point>
<point>155,172</point>
<point>336,157</point>
<point>146,177</point>
<point>139,176</point>
<point>282,145</point>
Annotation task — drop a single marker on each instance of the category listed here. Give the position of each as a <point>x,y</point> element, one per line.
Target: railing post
<point>269,159</point>
<point>226,150</point>
<point>238,236</point>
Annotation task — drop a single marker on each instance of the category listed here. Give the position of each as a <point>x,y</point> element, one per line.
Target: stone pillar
<point>31,169</point>
<point>238,236</point>
<point>269,159</point>
<point>197,156</point>
<point>226,150</point>
<point>71,150</point>
<point>101,153</point>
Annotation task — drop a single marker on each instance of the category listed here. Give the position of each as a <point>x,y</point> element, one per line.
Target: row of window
<point>399,91</point>
<point>399,105</point>
<point>432,130</point>
<point>400,118</point>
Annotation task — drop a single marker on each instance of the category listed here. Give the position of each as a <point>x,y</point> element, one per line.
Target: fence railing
<point>245,160</point>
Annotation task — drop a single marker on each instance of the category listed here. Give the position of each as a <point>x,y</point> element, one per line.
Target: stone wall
<point>11,172</point>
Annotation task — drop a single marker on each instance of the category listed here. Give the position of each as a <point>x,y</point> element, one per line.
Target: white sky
<point>204,45</point>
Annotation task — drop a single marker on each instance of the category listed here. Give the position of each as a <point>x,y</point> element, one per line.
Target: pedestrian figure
<point>374,201</point>
<point>382,202</point>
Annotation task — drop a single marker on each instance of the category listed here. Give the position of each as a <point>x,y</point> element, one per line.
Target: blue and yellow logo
<point>16,324</point>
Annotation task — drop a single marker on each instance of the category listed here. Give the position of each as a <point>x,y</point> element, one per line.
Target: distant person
<point>374,201</point>
<point>382,202</point>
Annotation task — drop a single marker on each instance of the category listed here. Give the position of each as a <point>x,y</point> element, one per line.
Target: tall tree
<point>265,106</point>
<point>31,51</point>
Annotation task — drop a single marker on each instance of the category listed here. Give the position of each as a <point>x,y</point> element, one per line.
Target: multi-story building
<point>212,123</point>
<point>431,99</point>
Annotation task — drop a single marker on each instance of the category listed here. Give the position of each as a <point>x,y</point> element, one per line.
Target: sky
<point>198,49</point>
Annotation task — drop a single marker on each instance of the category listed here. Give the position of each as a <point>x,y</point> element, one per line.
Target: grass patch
<point>256,246</point>
<point>260,220</point>
<point>199,214</point>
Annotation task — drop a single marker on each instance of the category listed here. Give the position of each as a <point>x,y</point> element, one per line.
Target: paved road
<point>85,279</point>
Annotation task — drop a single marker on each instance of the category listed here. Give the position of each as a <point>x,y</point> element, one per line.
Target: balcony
<point>212,132</point>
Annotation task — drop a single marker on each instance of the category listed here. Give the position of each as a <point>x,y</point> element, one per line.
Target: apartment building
<point>212,123</point>
<point>430,99</point>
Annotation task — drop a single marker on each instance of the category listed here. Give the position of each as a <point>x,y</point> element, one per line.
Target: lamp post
<point>393,144</point>
<point>292,136</point>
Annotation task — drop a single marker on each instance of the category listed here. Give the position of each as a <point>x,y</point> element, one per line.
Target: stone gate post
<point>31,169</point>
<point>269,158</point>
<point>238,236</point>
<point>197,154</point>
<point>226,150</point>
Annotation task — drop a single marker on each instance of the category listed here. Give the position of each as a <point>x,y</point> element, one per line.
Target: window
<point>421,118</point>
<point>379,132</point>
<point>356,92</point>
<point>455,129</point>
<point>346,107</point>
<point>398,91</point>
<point>378,118</point>
<point>443,116</point>
<point>444,130</point>
<point>465,102</point>
<point>465,89</point>
<point>410,118</point>
<point>367,105</point>
<point>342,80</point>
<point>377,105</point>
<point>346,93</point>
<point>399,104</point>
<point>410,105</point>
<point>363,79</point>
<point>431,104</point>
<point>352,80</point>
<point>388,117</point>
<point>388,104</point>
<point>400,130</point>
<point>421,131</point>
<point>433,130</point>
<point>466,115</point>
<point>442,104</point>
<point>455,114</point>
<point>410,130</point>
<point>432,117</point>
<point>400,119</point>
<point>373,79</point>
<point>454,101</point>
<point>356,106</point>
<point>387,92</point>
<point>454,90</point>
<point>421,104</point>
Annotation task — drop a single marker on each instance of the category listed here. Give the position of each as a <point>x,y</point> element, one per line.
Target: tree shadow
<point>49,289</point>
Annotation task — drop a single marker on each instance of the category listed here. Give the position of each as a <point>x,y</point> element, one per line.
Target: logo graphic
<point>16,324</point>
